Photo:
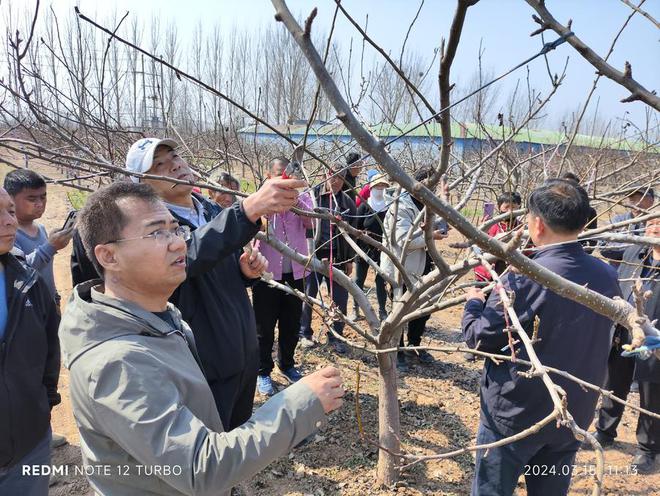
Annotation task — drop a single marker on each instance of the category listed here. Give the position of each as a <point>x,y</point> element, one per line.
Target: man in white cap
<point>213,298</point>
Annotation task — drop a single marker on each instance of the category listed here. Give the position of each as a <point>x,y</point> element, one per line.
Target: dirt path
<point>439,412</point>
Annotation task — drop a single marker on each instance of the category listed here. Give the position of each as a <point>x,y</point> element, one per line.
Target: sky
<point>501,27</point>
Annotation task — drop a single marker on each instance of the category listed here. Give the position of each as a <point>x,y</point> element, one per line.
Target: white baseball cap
<point>141,154</point>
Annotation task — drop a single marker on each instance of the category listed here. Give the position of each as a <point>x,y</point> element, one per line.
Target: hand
<point>437,235</point>
<point>348,268</point>
<point>253,264</point>
<point>475,294</point>
<point>275,196</point>
<point>58,239</point>
<point>327,386</point>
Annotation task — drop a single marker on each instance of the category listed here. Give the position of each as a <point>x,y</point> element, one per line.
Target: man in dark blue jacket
<point>29,365</point>
<point>571,337</point>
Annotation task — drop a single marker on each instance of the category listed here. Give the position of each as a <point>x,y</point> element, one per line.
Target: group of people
<point>160,336</point>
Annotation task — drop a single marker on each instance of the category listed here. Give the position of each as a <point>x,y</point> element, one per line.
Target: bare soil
<point>439,412</point>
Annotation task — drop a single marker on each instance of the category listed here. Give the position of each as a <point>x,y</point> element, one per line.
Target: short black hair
<point>20,179</point>
<point>352,157</point>
<point>423,173</point>
<point>226,177</point>
<point>101,220</point>
<point>562,204</point>
<point>570,176</point>
<point>510,197</point>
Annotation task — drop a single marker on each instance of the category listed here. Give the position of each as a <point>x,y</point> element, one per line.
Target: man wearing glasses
<point>147,417</point>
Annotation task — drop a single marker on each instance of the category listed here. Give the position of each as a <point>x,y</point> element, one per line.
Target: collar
<point>195,215</point>
<point>571,247</point>
<point>129,307</point>
<point>16,267</point>
<point>197,206</point>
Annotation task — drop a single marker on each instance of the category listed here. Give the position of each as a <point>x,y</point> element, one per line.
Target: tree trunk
<point>389,427</point>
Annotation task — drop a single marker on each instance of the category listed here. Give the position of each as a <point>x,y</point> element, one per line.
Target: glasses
<point>163,237</point>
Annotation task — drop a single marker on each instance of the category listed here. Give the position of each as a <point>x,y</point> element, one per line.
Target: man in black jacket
<point>29,365</point>
<point>213,299</point>
<point>571,337</point>
<point>330,246</point>
<point>639,263</point>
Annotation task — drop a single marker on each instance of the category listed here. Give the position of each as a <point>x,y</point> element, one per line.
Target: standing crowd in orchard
<point>165,349</point>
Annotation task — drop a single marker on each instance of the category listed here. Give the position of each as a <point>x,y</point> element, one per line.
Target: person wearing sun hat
<point>370,217</point>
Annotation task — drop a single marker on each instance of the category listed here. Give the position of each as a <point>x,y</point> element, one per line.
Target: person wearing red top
<point>506,202</point>
<point>365,192</point>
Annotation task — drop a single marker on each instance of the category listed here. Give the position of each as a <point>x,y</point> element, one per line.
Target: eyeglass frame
<point>181,232</point>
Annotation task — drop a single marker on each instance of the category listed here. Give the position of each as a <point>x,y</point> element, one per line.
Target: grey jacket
<point>142,405</point>
<point>416,257</point>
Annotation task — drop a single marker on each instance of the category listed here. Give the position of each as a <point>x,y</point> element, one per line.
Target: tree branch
<point>638,92</point>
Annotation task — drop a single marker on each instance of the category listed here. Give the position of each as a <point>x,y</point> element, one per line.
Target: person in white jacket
<point>416,262</point>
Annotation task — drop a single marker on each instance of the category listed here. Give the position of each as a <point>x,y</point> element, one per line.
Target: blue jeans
<point>13,482</point>
<point>546,459</point>
<point>340,297</point>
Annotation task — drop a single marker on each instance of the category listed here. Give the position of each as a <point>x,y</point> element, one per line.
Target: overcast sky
<point>503,26</point>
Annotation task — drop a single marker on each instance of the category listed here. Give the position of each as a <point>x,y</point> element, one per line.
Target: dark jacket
<point>213,299</point>
<point>29,362</point>
<point>349,186</point>
<point>342,203</point>
<point>372,222</point>
<point>571,338</point>
<point>634,259</point>
<point>82,268</point>
<point>592,223</point>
